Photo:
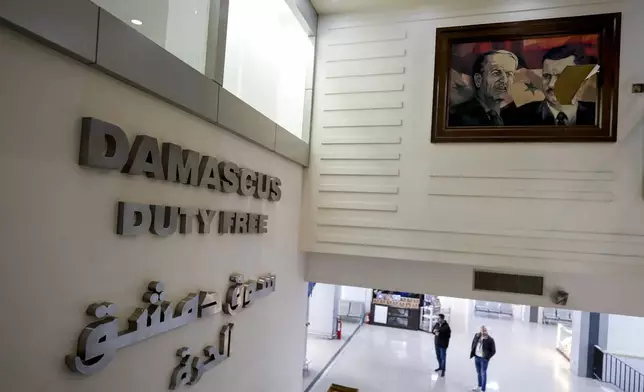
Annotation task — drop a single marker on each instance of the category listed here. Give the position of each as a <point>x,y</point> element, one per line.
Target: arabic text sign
<point>100,340</point>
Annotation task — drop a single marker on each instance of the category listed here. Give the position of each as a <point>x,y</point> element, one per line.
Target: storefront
<point>395,309</point>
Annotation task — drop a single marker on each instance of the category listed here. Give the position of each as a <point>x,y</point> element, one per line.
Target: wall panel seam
<point>639,238</point>
<point>382,243</point>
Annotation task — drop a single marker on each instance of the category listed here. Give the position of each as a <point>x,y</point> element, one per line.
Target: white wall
<point>378,188</point>
<point>625,335</point>
<point>60,252</point>
<point>322,309</point>
<point>461,310</point>
<point>267,58</point>
<point>624,340</point>
<point>590,292</point>
<point>359,294</point>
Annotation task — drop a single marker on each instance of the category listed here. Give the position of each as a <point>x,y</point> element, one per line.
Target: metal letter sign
<point>105,146</point>
<point>101,339</point>
<point>191,368</point>
<point>134,219</point>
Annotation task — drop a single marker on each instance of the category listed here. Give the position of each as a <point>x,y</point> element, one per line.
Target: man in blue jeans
<point>483,349</point>
<point>442,333</point>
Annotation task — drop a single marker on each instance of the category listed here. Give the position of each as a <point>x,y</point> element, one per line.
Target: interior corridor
<point>320,351</point>
<point>382,359</point>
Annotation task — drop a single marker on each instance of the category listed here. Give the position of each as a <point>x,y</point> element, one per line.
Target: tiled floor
<point>320,351</point>
<point>381,359</point>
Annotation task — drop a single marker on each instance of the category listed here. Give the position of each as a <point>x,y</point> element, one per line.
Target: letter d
<point>103,145</point>
<point>133,219</point>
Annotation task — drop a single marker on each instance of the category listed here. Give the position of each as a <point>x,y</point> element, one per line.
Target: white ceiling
<point>343,6</point>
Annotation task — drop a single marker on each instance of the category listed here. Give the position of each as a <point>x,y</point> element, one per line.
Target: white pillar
<point>323,309</point>
<point>578,362</point>
<point>588,330</point>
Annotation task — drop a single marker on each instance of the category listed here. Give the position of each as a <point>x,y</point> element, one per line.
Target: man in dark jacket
<point>442,333</point>
<point>492,76</point>
<point>483,349</point>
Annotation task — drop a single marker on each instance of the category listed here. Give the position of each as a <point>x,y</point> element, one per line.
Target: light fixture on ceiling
<point>136,22</point>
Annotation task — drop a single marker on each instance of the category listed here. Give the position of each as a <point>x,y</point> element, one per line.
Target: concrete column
<point>589,329</point>
<point>306,333</point>
<point>602,339</point>
<point>323,310</point>
<point>534,314</point>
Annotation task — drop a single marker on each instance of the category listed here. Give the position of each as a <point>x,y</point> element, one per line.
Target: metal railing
<point>611,370</point>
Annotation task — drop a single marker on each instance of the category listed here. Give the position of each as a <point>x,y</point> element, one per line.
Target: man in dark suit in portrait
<point>550,111</point>
<point>492,75</point>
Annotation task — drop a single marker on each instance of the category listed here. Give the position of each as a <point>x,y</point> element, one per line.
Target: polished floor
<point>382,359</point>
<point>320,351</point>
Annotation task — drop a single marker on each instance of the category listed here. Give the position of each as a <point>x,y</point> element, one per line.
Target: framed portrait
<point>496,82</point>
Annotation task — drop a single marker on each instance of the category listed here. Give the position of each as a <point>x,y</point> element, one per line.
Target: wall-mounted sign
<point>134,219</point>
<point>101,339</point>
<point>106,146</point>
<point>191,368</point>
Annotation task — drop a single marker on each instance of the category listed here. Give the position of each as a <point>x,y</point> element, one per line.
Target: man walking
<point>483,349</point>
<point>442,333</point>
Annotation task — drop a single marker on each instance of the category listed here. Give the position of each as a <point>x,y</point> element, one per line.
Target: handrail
<point>622,354</point>
<point>611,370</point>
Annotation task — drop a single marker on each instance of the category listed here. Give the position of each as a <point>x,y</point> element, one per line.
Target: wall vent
<point>508,283</point>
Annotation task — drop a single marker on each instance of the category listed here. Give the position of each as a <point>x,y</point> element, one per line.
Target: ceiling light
<point>136,22</point>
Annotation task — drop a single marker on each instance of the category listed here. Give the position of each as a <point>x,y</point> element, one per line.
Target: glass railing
<point>185,28</point>
<point>268,55</point>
